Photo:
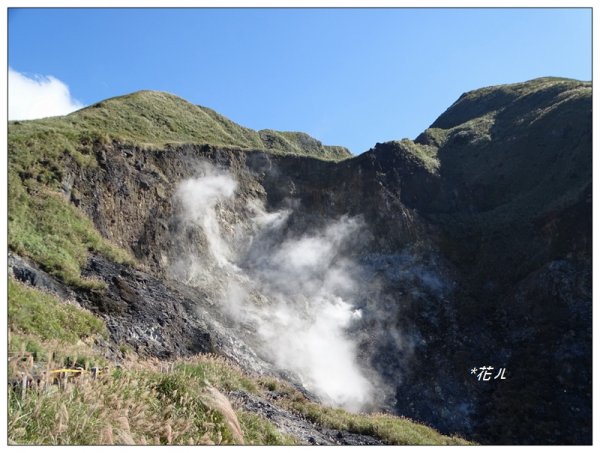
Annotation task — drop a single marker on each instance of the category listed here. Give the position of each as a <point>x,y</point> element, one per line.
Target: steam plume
<point>296,292</point>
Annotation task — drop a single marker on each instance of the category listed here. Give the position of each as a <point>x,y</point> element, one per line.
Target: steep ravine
<point>473,248</point>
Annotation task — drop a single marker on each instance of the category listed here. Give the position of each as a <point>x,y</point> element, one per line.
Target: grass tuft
<point>33,312</point>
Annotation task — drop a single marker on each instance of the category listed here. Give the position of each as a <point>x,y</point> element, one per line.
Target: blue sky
<point>349,77</point>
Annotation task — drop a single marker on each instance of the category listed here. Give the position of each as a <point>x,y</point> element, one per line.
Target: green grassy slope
<point>515,151</point>
<point>483,101</point>
<point>154,119</point>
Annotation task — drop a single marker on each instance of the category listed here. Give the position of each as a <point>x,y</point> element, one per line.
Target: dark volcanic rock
<point>159,318</point>
<point>153,318</point>
<point>27,272</point>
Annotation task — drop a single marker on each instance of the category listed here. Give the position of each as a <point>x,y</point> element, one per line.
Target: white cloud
<point>38,97</point>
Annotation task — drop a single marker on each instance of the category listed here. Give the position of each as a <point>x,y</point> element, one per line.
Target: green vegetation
<point>46,228</point>
<point>220,373</point>
<point>131,408</point>
<point>476,103</point>
<point>46,330</point>
<point>145,404</point>
<point>526,88</point>
<point>33,312</point>
<point>390,429</point>
<point>259,431</point>
<point>426,155</point>
<point>153,119</point>
<point>42,224</point>
<point>517,154</point>
<point>515,162</point>
<point>300,143</point>
<point>142,404</point>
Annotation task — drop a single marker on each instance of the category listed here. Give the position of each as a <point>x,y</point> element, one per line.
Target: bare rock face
<point>158,318</point>
<point>474,249</point>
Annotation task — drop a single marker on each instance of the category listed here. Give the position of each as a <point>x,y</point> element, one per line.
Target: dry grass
<point>154,403</point>
<point>142,403</point>
<point>215,400</point>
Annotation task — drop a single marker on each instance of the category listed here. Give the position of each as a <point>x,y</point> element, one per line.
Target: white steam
<point>199,198</point>
<point>296,293</point>
<point>310,286</point>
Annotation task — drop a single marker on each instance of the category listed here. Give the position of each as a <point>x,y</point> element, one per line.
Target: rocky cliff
<point>410,264</point>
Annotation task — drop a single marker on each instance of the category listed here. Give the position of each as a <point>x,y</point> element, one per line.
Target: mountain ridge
<point>156,119</point>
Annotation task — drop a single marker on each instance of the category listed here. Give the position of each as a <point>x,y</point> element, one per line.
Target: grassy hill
<point>155,119</point>
<point>514,152</point>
